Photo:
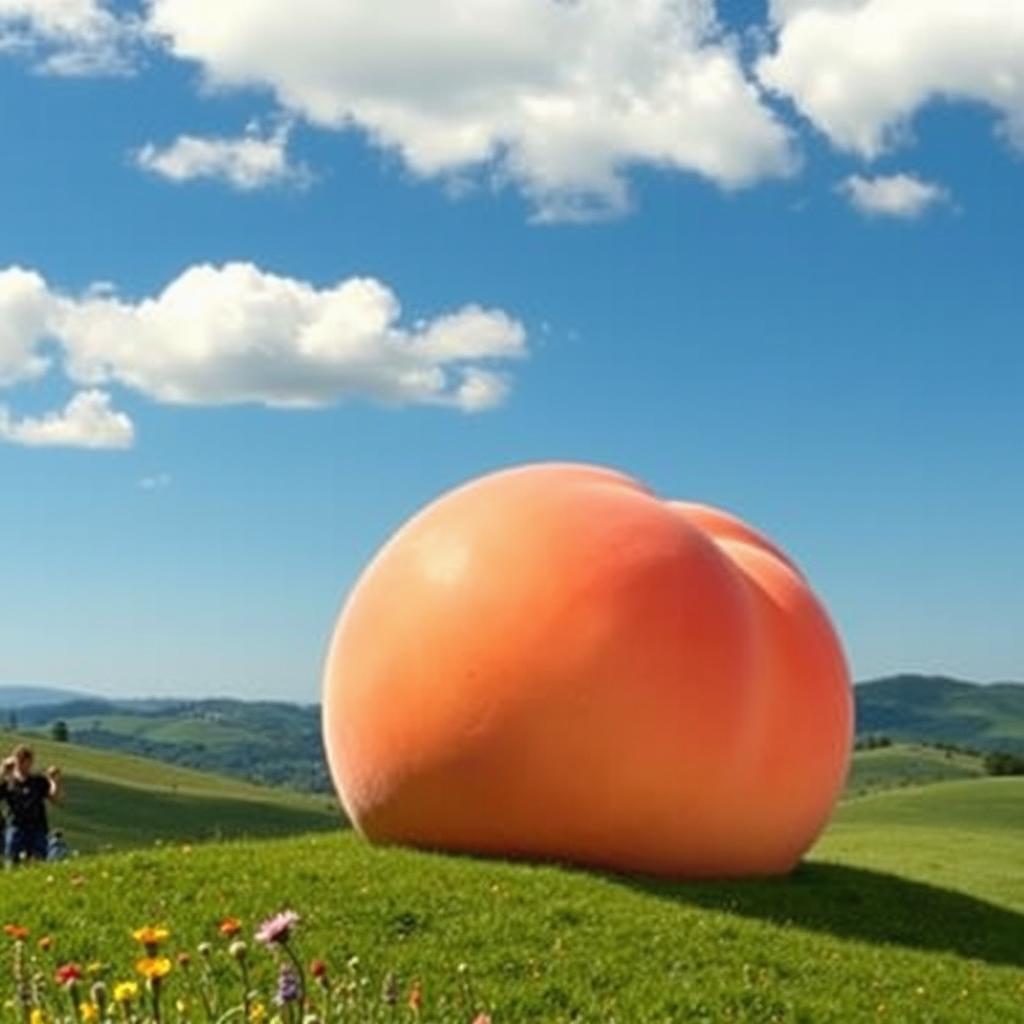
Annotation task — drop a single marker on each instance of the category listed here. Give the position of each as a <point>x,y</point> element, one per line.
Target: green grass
<point>908,765</point>
<point>910,909</point>
<point>114,800</point>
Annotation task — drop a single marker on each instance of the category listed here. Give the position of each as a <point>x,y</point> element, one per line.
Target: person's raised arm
<point>56,781</point>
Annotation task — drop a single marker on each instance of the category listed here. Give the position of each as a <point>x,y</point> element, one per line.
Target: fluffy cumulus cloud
<point>893,195</point>
<point>24,307</point>
<point>68,37</point>
<point>258,159</point>
<point>559,96</point>
<point>861,69</point>
<point>87,421</point>
<point>237,334</point>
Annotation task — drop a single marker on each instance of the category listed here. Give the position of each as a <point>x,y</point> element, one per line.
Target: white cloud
<point>559,97</point>
<point>237,334</point>
<point>861,69</point>
<point>258,159</point>
<point>87,421</point>
<point>68,37</point>
<point>895,195</point>
<point>25,305</point>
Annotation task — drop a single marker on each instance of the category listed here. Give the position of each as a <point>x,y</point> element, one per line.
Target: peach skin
<point>551,662</point>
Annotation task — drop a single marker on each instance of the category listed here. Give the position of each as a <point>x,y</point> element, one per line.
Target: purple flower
<point>277,929</point>
<point>287,987</point>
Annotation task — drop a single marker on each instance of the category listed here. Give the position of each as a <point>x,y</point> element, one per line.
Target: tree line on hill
<point>994,762</point>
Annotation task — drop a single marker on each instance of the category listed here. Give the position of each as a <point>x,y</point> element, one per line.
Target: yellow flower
<point>257,1013</point>
<point>125,991</point>
<point>37,1017</point>
<point>89,1012</point>
<point>151,935</point>
<point>181,1006</point>
<point>153,968</point>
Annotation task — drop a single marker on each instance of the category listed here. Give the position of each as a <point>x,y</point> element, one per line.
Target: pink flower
<point>276,930</point>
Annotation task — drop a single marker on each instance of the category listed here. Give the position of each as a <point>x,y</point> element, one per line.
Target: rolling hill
<point>911,909</point>
<point>910,707</point>
<point>908,764</point>
<point>272,743</point>
<point>116,801</point>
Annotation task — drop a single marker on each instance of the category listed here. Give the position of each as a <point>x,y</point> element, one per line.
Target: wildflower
<point>37,1017</point>
<point>45,943</point>
<point>181,1006</point>
<point>389,990</point>
<point>318,969</point>
<point>287,987</point>
<point>229,927</point>
<point>238,949</point>
<point>125,991</point>
<point>257,1013</point>
<point>276,930</point>
<point>184,959</point>
<point>204,949</point>
<point>98,994</point>
<point>67,974</point>
<point>88,1012</point>
<point>416,997</point>
<point>150,936</point>
<point>153,968</point>
<point>16,932</point>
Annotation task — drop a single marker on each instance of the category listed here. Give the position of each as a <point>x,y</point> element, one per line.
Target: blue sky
<point>809,313</point>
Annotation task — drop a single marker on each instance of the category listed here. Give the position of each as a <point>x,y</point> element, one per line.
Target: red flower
<point>415,997</point>
<point>229,927</point>
<point>318,969</point>
<point>68,974</point>
<point>17,932</point>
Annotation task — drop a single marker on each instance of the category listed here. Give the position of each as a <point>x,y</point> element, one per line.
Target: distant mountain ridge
<point>940,708</point>
<point>14,697</point>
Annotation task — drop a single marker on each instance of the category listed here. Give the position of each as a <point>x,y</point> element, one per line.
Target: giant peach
<point>551,662</point>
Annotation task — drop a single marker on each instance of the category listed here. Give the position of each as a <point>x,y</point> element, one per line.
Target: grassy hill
<point>908,764</point>
<point>116,800</point>
<point>911,909</point>
<point>273,743</point>
<point>910,707</point>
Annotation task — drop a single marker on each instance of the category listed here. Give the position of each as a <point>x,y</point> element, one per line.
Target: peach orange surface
<point>552,662</point>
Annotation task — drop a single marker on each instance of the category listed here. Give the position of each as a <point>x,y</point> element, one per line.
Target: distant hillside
<point>116,801</point>
<point>906,764</point>
<point>14,697</point>
<point>913,707</point>
<point>270,743</point>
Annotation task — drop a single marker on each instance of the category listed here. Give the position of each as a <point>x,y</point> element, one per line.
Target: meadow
<point>909,909</point>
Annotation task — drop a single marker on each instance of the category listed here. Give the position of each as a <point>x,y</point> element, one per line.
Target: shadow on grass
<point>854,903</point>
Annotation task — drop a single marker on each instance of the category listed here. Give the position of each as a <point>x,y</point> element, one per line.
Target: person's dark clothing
<point>27,827</point>
<point>26,803</point>
<point>22,844</point>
